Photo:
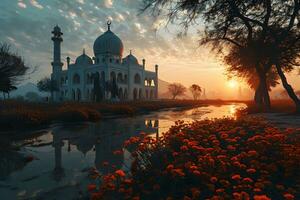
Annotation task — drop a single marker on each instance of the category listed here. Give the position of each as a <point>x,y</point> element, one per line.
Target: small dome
<point>84,60</point>
<point>108,43</point>
<point>57,28</point>
<point>131,59</point>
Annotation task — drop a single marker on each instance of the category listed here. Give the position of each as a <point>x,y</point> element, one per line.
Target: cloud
<point>21,4</point>
<point>108,3</point>
<point>36,4</point>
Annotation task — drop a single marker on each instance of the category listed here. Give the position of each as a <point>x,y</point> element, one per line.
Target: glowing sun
<point>232,83</point>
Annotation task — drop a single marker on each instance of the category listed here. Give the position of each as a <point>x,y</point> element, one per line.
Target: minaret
<point>156,82</point>
<point>56,63</point>
<point>144,63</point>
<point>57,40</point>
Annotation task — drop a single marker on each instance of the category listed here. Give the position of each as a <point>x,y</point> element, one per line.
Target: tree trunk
<point>288,88</point>
<point>258,97</point>
<point>265,93</point>
<point>262,98</point>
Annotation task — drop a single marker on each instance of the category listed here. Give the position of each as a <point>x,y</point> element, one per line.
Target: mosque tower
<point>56,63</point>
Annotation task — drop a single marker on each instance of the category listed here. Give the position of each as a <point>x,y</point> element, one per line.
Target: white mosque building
<point>105,76</point>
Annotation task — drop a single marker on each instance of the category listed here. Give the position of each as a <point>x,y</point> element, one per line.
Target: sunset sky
<point>27,26</point>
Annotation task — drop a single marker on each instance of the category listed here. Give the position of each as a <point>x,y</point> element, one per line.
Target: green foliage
<point>47,85</point>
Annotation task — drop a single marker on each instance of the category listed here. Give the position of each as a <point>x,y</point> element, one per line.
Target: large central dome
<point>108,43</point>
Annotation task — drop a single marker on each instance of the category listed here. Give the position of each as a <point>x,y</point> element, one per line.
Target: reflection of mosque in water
<point>104,138</point>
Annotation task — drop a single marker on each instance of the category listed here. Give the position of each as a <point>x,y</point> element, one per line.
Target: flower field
<point>211,159</point>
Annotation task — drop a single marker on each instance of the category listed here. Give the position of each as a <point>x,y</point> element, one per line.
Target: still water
<point>59,158</point>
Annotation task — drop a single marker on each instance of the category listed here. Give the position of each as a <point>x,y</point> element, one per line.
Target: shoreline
<point>24,116</point>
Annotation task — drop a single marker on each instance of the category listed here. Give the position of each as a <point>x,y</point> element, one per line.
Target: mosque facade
<point>105,76</point>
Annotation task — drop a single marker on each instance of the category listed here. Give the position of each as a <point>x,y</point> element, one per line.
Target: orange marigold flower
<point>236,177</point>
<point>183,148</point>
<point>120,173</point>
<point>213,179</point>
<point>91,187</point>
<point>170,167</point>
<point>251,171</point>
<point>196,172</point>
<point>175,154</point>
<point>195,193</point>
<point>261,197</point>
<point>252,153</point>
<point>96,195</point>
<point>289,196</point>
<point>118,152</point>
<point>247,180</point>
<point>178,172</point>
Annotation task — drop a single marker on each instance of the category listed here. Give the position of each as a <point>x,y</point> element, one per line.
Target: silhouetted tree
<point>238,23</point>
<point>12,69</point>
<point>47,85</point>
<point>176,89</point>
<point>196,91</point>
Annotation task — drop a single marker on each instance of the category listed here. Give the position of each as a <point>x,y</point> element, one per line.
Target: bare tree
<point>12,69</point>
<point>196,91</point>
<point>176,89</point>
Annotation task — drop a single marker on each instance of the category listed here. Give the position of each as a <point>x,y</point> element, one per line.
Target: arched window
<point>112,76</point>
<point>135,93</point>
<point>147,94</point>
<point>125,79</point>
<point>121,95</point>
<point>120,78</point>
<point>102,76</point>
<point>125,94</point>
<point>140,94</point>
<point>78,95</point>
<point>76,79</point>
<point>137,79</point>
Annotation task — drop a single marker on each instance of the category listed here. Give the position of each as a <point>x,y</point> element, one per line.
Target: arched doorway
<point>135,93</point>
<point>151,94</point>
<point>140,94</point>
<point>78,95</point>
<point>120,94</point>
<point>88,94</point>
<point>125,94</point>
<point>73,95</point>
<point>113,76</point>
<point>147,94</point>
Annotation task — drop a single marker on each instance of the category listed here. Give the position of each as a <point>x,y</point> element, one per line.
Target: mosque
<point>106,76</point>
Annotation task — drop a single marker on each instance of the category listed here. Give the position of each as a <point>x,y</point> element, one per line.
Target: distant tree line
<point>177,89</point>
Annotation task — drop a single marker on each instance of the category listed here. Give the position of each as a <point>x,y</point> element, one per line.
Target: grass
<point>16,115</point>
<point>277,106</point>
<point>210,159</point>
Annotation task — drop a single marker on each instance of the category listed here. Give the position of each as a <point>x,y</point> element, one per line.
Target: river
<point>59,158</point>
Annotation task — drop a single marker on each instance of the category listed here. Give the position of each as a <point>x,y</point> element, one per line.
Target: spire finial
<point>83,51</point>
<point>108,24</point>
<point>130,52</point>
